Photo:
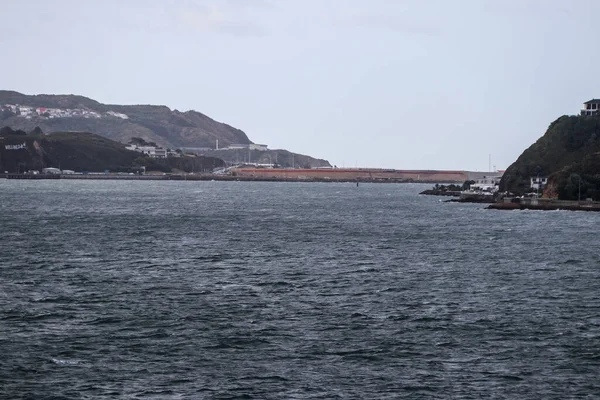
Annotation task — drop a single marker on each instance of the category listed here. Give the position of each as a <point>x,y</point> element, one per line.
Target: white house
<point>538,182</point>
<point>51,171</point>
<point>591,107</point>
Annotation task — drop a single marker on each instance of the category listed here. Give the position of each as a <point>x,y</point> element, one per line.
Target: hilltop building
<point>251,146</point>
<point>591,107</point>
<point>256,146</point>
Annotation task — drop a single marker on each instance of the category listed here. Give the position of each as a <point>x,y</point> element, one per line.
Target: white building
<point>117,115</point>
<point>251,146</point>
<point>154,152</point>
<point>537,182</point>
<point>159,152</point>
<point>260,147</point>
<point>591,107</point>
<point>487,183</point>
<point>237,146</point>
<point>25,111</point>
<point>51,171</point>
<point>196,150</point>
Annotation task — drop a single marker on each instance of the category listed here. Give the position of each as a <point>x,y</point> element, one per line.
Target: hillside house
<point>591,107</point>
<point>538,182</point>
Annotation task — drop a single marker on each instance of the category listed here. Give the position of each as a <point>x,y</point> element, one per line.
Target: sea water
<point>129,289</point>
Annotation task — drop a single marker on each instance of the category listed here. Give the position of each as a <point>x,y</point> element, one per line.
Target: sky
<point>407,84</point>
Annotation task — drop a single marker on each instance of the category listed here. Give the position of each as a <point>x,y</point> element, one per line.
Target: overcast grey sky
<point>380,83</point>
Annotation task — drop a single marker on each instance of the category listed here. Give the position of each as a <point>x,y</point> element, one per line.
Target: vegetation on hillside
<point>567,147</point>
<point>580,180</point>
<point>84,151</point>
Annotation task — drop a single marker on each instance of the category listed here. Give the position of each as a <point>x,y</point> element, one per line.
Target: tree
<point>138,141</point>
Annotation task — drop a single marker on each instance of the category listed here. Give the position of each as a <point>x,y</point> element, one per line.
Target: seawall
<point>355,174</point>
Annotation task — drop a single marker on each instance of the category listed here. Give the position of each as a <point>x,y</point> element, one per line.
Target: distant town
<point>29,112</point>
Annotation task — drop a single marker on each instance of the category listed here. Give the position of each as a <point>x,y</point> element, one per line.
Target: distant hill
<point>84,151</point>
<point>171,129</point>
<point>159,124</point>
<point>568,151</point>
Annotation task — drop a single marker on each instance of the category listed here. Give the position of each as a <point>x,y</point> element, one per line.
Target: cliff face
<point>159,124</point>
<point>566,144</point>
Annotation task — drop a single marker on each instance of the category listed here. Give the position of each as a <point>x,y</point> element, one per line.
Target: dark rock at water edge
<point>434,192</point>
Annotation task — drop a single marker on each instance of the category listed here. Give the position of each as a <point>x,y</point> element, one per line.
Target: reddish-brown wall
<point>347,173</point>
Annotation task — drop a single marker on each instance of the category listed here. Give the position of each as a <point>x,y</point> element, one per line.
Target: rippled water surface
<point>116,289</point>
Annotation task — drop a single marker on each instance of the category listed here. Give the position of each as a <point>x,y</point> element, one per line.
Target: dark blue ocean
<point>233,290</point>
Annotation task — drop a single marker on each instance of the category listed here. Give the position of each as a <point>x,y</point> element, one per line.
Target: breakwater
<point>213,177</point>
<point>30,176</point>
<point>354,174</point>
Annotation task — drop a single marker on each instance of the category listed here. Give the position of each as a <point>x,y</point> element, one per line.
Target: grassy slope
<point>83,151</point>
<point>567,140</point>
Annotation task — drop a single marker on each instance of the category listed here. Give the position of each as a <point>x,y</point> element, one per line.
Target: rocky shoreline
<point>544,205</point>
<point>439,192</point>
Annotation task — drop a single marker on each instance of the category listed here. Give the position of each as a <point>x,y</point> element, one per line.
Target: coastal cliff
<point>568,154</point>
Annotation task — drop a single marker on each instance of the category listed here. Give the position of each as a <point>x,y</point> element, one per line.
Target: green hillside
<point>83,151</point>
<point>569,144</point>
